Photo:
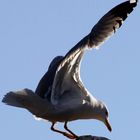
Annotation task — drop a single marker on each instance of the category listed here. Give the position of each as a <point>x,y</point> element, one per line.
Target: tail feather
<point>27,99</point>
<point>17,98</point>
<point>11,99</point>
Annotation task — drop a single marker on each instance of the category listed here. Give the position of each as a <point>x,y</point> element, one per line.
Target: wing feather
<point>105,27</point>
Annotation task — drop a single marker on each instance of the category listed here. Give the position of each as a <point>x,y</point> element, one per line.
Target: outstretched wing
<point>67,78</point>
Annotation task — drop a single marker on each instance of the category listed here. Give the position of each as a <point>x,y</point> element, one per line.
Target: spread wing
<point>67,82</point>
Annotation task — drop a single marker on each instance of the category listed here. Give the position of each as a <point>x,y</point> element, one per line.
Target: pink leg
<point>70,136</point>
<point>65,126</point>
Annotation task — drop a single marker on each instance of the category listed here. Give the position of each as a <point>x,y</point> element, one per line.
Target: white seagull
<point>60,95</point>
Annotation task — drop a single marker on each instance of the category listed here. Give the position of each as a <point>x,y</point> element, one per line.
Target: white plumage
<point>60,95</point>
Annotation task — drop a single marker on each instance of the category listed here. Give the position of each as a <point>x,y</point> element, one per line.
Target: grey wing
<point>67,83</point>
<point>45,84</point>
<point>109,23</point>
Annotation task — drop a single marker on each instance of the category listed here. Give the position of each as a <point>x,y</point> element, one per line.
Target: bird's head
<point>104,116</point>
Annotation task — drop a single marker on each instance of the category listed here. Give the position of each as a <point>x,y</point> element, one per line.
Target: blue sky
<point>33,32</point>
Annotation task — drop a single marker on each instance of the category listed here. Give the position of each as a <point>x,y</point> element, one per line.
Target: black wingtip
<point>123,9</point>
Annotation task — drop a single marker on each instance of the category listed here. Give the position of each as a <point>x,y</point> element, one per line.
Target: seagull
<point>61,95</point>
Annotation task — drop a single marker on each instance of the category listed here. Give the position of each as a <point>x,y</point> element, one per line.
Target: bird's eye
<point>106,113</point>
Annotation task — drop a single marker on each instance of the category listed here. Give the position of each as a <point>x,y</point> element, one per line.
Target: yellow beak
<point>107,123</point>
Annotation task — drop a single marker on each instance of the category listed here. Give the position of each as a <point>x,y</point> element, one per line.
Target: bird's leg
<point>61,132</point>
<point>65,126</point>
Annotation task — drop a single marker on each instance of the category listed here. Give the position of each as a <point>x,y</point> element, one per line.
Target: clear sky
<point>32,32</point>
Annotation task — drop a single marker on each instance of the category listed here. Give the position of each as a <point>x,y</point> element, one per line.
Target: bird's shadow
<point>89,137</point>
